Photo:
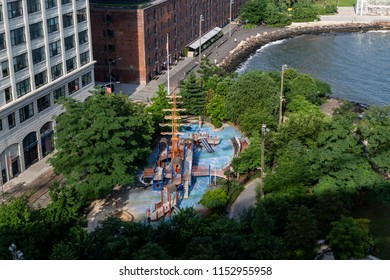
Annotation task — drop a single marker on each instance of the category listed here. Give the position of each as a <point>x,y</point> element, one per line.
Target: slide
<point>206,145</point>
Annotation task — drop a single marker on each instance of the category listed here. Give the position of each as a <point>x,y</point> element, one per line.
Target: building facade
<point>45,54</point>
<point>138,36</point>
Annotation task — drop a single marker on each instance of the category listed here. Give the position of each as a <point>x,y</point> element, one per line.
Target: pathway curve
<point>245,200</point>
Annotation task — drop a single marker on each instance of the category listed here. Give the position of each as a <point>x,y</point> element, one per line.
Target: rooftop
<point>125,4</point>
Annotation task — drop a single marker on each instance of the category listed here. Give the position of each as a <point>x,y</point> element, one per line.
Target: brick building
<point>130,39</point>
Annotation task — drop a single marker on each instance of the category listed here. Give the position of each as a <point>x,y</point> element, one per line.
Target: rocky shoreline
<point>248,47</point>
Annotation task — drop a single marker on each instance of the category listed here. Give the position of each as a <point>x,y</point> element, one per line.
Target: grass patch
<point>379,215</point>
<point>346,3</point>
<point>340,3</point>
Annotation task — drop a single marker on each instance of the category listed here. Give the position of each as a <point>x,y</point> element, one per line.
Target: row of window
<point>36,30</point>
<point>40,79</point>
<point>15,8</point>
<point>20,62</point>
<point>26,112</point>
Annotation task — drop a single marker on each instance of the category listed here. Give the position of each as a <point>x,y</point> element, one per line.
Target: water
<point>356,65</point>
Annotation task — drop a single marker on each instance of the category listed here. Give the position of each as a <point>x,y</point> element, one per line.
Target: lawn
<point>340,3</point>
<point>379,215</point>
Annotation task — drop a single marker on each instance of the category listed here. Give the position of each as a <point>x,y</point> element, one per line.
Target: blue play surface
<point>139,200</point>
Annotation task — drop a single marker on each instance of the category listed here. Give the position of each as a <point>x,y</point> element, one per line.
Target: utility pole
<point>263,132</point>
<point>284,66</point>
<point>230,23</point>
<point>201,18</point>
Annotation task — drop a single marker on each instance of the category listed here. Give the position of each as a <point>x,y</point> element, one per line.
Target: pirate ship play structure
<point>174,170</point>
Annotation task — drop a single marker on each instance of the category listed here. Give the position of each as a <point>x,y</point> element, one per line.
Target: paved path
<point>245,200</point>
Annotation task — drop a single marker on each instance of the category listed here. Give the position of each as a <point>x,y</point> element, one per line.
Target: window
<point>33,6</point>
<point>1,12</point>
<point>86,79</point>
<point>43,103</point>
<point>83,37</point>
<point>67,19</point>
<point>20,62</point>
<point>110,48</point>
<point>84,58</point>
<point>63,2</point>
<point>2,41</point>
<point>51,4</point>
<point>26,112</point>
<point>38,55</point>
<point>73,86</point>
<point>8,94</point>
<point>71,64</point>
<point>56,71</point>
<point>1,124</point>
<point>36,30</point>
<point>23,87</point>
<point>11,120</point>
<point>108,18</point>
<point>15,9</point>
<point>69,42</point>
<point>5,68</point>
<point>110,33</point>
<point>40,79</point>
<point>58,93</point>
<point>52,25</point>
<point>55,48</point>
<point>81,15</point>
<point>17,36</point>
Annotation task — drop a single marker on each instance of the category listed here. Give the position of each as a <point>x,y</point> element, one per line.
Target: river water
<point>356,65</point>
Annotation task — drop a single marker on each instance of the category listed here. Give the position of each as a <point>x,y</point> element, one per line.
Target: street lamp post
<point>230,19</point>
<point>16,254</point>
<point>263,132</point>
<point>201,18</point>
<point>284,66</point>
<point>109,67</point>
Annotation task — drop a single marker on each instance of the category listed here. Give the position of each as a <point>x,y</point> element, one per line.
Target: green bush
<point>216,123</point>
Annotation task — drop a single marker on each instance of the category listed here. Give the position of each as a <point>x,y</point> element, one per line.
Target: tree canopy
<point>101,142</point>
<point>350,238</point>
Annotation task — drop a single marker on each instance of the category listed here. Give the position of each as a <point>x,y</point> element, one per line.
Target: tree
<point>304,10</point>
<point>290,177</point>
<point>215,200</point>
<point>304,124</point>
<point>215,105</point>
<point>151,251</point>
<point>350,238</point>
<point>337,161</point>
<point>249,159</point>
<point>375,134</point>
<point>312,89</point>
<point>16,218</point>
<point>328,208</point>
<point>301,233</point>
<point>101,142</point>
<point>159,103</point>
<point>260,242</point>
<point>253,87</point>
<point>193,95</point>
<point>251,11</point>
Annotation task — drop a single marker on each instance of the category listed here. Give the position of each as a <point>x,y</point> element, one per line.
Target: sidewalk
<point>27,179</point>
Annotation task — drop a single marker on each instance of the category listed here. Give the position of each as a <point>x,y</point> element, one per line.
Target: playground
<point>136,200</point>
